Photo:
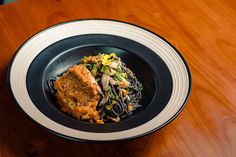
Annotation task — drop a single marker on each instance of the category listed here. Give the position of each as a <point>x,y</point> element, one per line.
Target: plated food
<point>98,89</point>
<point>160,68</point>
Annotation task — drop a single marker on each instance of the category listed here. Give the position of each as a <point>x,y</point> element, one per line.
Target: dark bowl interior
<point>57,58</point>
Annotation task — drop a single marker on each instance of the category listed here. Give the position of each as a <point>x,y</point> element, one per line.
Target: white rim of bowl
<point>31,48</point>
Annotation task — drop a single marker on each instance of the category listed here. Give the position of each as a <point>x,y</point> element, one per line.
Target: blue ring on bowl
<point>59,56</point>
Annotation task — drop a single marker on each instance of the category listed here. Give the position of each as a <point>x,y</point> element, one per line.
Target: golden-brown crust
<point>78,93</point>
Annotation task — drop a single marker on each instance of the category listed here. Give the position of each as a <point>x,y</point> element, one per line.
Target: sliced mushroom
<point>105,82</point>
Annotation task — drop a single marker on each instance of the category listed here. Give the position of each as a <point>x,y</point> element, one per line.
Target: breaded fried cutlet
<point>78,94</point>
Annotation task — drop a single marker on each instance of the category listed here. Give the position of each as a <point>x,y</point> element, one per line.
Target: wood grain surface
<point>202,30</point>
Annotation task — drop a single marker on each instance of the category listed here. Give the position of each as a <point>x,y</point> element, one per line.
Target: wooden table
<point>202,30</point>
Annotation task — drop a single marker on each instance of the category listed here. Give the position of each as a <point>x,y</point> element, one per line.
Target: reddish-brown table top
<point>202,30</point>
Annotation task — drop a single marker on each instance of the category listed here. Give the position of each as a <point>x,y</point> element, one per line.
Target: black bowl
<point>57,58</point>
